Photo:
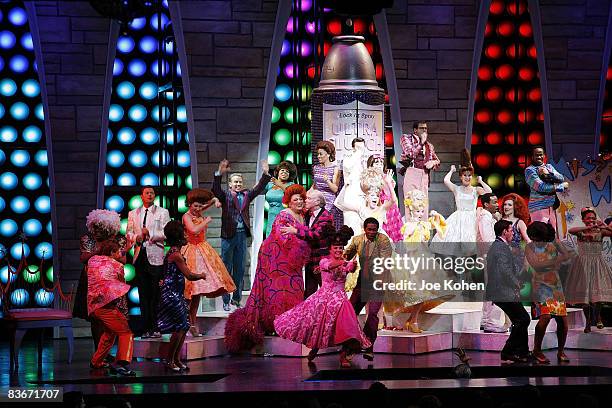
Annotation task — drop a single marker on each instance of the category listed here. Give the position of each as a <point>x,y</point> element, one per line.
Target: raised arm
<point>485,187</point>
<point>192,227</point>
<point>447,179</point>
<point>216,186</point>
<point>260,187</point>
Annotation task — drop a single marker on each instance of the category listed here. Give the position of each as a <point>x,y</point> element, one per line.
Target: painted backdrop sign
<point>343,123</point>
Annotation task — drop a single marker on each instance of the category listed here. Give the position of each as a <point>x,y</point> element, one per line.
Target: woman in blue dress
<point>173,314</point>
<point>284,175</point>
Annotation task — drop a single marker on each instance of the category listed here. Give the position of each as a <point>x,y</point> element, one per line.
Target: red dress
<point>277,287</point>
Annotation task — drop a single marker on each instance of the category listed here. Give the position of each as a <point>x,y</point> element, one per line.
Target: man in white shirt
<point>486,217</point>
<point>146,229</point>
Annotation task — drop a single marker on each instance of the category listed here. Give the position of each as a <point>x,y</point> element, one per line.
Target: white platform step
<point>193,348</point>
<point>405,342</point>
<point>276,346</point>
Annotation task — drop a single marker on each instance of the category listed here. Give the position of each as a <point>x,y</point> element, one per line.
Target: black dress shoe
<point>515,358</point>
<point>123,371</point>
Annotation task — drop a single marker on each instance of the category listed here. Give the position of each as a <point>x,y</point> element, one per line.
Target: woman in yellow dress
<point>201,257</point>
<point>416,233</point>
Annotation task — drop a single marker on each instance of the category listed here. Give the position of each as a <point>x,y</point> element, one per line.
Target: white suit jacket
<point>157,219</point>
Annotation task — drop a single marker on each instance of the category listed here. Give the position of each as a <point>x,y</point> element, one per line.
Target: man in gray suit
<point>503,289</point>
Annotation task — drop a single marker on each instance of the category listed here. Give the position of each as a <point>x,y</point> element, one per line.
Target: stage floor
<point>426,373</point>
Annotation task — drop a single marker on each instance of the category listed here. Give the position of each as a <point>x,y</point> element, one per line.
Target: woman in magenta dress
<point>327,318</point>
<point>278,285</point>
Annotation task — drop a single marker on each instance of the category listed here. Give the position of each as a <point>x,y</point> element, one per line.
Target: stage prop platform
<point>447,326</point>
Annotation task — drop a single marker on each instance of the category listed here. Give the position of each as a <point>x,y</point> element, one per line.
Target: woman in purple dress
<point>278,284</point>
<point>326,178</point>
<point>327,318</point>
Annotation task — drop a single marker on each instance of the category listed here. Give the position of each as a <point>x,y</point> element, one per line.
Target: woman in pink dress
<point>278,285</point>
<point>327,318</point>
<point>201,258</point>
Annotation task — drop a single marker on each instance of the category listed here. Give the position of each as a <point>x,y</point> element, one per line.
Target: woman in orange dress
<point>201,258</point>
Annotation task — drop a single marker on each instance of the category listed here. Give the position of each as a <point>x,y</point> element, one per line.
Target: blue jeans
<point>233,253</point>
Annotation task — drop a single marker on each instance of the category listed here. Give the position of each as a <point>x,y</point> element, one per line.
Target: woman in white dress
<point>460,237</point>
<point>351,193</point>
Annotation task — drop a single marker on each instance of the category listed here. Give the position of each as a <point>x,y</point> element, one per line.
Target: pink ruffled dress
<point>326,318</point>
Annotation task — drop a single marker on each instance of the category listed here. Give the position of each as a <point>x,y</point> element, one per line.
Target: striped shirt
<point>543,191</point>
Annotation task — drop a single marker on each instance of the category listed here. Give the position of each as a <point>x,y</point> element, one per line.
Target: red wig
<point>520,208</point>
<point>293,190</point>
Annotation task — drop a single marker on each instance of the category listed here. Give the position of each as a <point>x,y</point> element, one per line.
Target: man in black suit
<point>236,223</point>
<point>503,289</point>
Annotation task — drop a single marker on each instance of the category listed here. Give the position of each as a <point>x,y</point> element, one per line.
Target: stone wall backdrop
<point>432,49</point>
<point>574,35</point>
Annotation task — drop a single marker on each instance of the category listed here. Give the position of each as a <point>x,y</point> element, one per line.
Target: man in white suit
<point>146,228</point>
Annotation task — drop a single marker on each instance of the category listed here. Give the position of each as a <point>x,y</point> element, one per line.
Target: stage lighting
<point>20,111</point>
<point>129,272</point>
<point>115,113</point>
<point>276,115</point>
<point>117,67</point>
<point>138,158</point>
<point>183,159</point>
<point>20,297</point>
<point>155,158</point>
<point>41,158</point>
<point>108,180</point>
<point>133,295</point>
<point>125,44</point>
<point>155,113</point>
<point>137,67</point>
<point>20,205</point>
<point>126,180</point>
<point>8,180</point>
<point>181,114</point>
<point>43,298</point>
<point>17,16</point>
<point>8,87</point>
<point>2,206</point>
<point>289,115</point>
<point>49,274</point>
<point>282,93</point>
<point>125,90</point>
<point>126,136</point>
<point>17,250</point>
<point>114,203</point>
<point>42,204</point>
<point>5,275</point>
<point>134,202</point>
<point>138,23</point>
<point>148,90</point>
<point>149,179</point>
<point>44,250</point>
<point>49,228</point>
<point>39,111</point>
<point>8,228</point>
<point>188,182</point>
<point>8,134</point>
<point>115,158</point>
<point>19,64</point>
<point>273,158</point>
<point>137,113</point>
<point>165,67</point>
<point>26,42</point>
<point>282,137</point>
<point>31,274</point>
<point>7,39</point>
<point>30,88</point>
<point>155,22</point>
<point>170,136</point>
<point>149,136</point>
<point>32,227</point>
<point>32,134</point>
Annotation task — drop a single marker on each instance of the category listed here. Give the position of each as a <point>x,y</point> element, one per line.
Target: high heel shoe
<point>540,357</point>
<point>414,327</point>
<point>344,361</point>
<point>600,325</point>
<point>182,366</point>
<point>313,353</point>
<point>193,331</point>
<point>172,367</point>
<point>562,358</point>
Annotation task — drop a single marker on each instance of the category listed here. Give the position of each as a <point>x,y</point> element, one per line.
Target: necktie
<point>144,220</point>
